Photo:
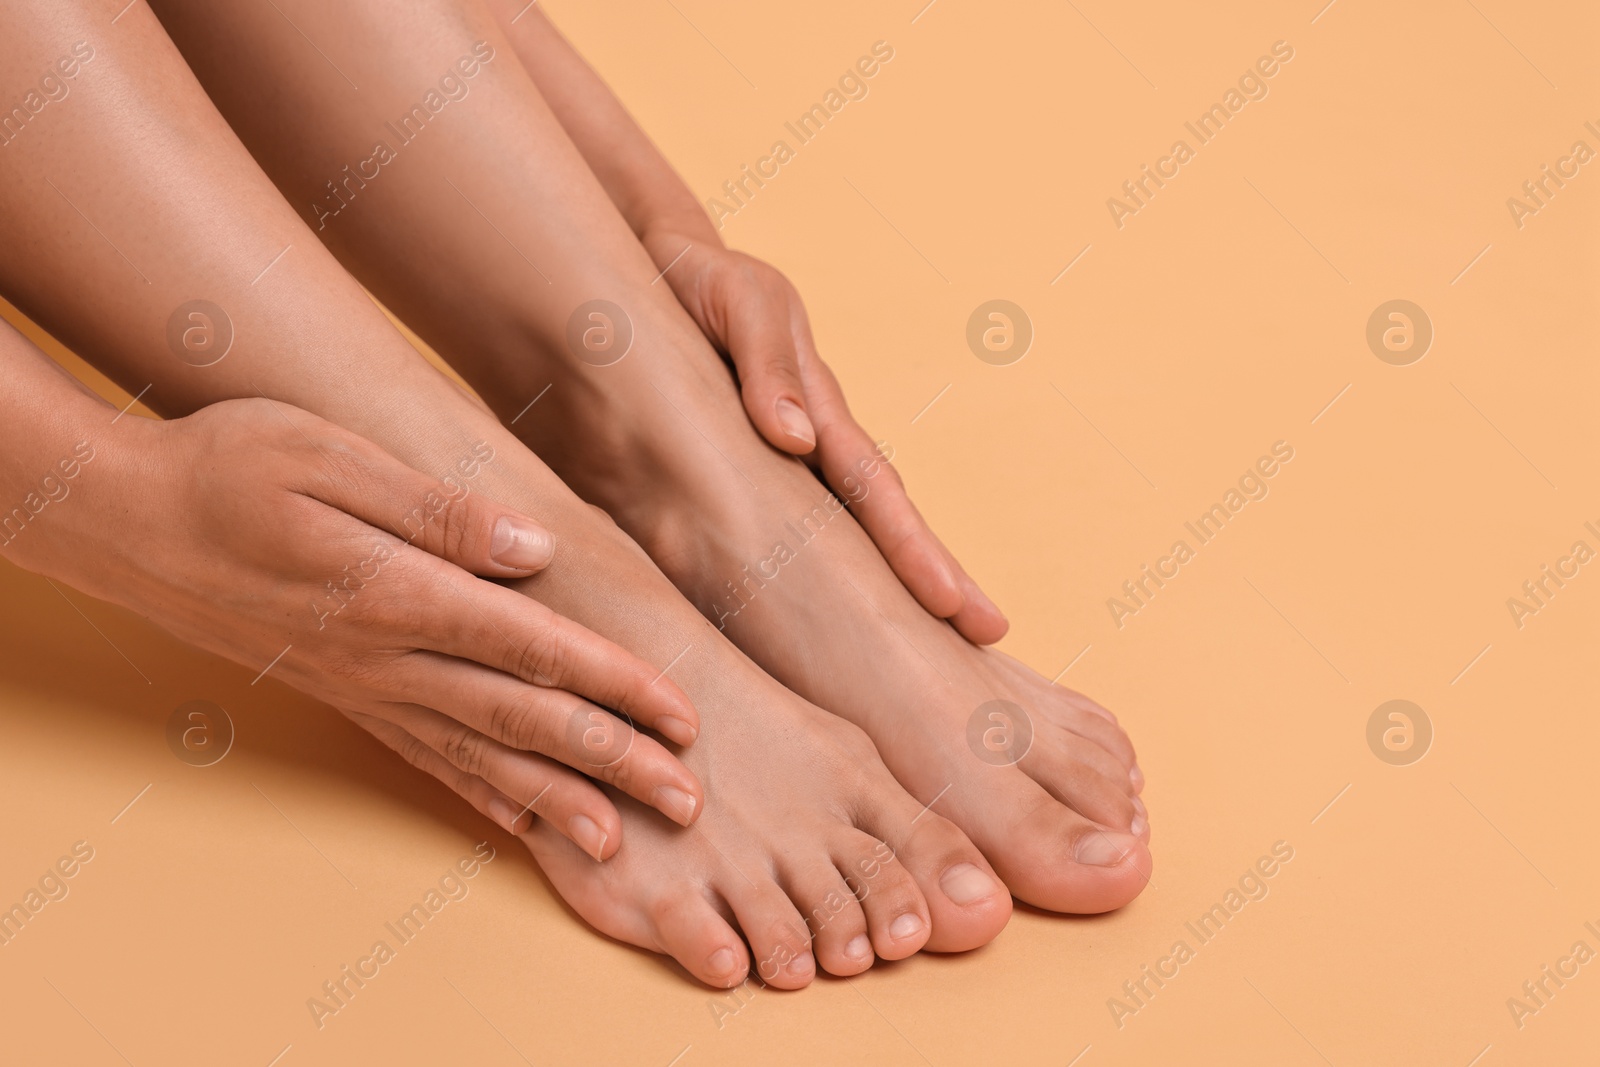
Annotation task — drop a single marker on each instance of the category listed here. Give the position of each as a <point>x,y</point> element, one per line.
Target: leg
<point>660,440</point>
<point>798,804</point>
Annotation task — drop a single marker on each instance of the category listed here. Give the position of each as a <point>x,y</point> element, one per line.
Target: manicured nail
<point>983,600</point>
<point>677,730</point>
<point>1100,849</point>
<point>1136,778</point>
<point>504,814</point>
<point>675,802</point>
<point>859,948</point>
<point>722,963</point>
<point>966,884</point>
<point>795,423</point>
<point>801,966</point>
<point>588,835</point>
<point>906,927</point>
<point>520,545</point>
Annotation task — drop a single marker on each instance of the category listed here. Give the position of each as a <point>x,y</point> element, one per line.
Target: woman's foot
<point>807,845</point>
<point>1042,779</point>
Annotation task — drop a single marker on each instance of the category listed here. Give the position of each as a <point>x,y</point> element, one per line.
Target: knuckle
<point>545,655</point>
<point>464,748</point>
<point>411,749</point>
<point>521,724</point>
<point>779,364</point>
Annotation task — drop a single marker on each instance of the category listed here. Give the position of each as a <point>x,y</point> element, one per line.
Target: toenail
<point>587,834</point>
<point>800,966</point>
<point>859,948</point>
<point>675,802</point>
<point>1138,826</point>
<point>723,963</point>
<point>1100,849</point>
<point>1136,778</point>
<point>966,884</point>
<point>906,927</point>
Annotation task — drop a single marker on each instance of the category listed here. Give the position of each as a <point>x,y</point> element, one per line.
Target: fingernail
<point>722,963</point>
<point>801,966</point>
<point>1100,849</point>
<point>521,546</point>
<point>966,884</point>
<point>906,927</point>
<point>504,814</point>
<point>795,423</point>
<point>1136,778</point>
<point>677,730</point>
<point>859,948</point>
<point>984,597</point>
<point>587,833</point>
<point>675,802</point>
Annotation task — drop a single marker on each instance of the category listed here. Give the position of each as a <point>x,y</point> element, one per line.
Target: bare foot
<point>1042,779</point>
<point>807,845</point>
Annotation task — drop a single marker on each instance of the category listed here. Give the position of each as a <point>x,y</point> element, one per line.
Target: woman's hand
<point>753,314</point>
<point>260,532</point>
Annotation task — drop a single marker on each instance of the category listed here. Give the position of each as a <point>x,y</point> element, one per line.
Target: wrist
<point>66,512</point>
<point>665,234</point>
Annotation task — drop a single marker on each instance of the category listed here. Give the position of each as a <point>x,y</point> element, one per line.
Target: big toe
<point>1054,858</point>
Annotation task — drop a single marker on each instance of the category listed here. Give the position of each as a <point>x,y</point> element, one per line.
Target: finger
<point>491,719</point>
<point>441,517</point>
<point>754,323</point>
<point>979,619</point>
<point>573,806</point>
<point>499,628</point>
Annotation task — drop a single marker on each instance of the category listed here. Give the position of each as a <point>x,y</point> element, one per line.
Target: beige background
<point>1225,316</point>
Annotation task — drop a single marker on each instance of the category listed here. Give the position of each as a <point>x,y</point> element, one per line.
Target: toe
<point>1056,859</point>
<point>1107,735</point>
<point>680,920</point>
<point>966,901</point>
<point>838,926</point>
<point>897,916</point>
<point>779,938</point>
<point>1083,776</point>
<point>688,928</point>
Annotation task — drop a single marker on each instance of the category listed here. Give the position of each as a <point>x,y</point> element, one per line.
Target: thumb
<point>443,518</point>
<point>477,534</point>
<point>762,347</point>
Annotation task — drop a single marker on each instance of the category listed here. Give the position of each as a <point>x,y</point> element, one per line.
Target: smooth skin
<point>275,504</point>
<point>660,439</point>
<point>748,310</point>
<point>806,849</point>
